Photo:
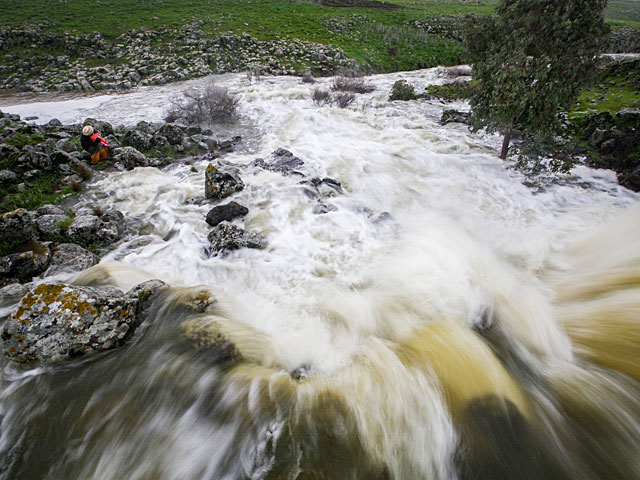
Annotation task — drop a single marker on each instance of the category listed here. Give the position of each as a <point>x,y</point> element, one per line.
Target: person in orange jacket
<point>93,143</point>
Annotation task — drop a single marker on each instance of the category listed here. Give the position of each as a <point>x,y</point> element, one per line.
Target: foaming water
<point>442,320</point>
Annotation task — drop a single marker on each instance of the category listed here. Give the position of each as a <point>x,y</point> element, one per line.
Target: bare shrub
<point>308,78</point>
<point>351,84</point>
<point>343,100</point>
<point>321,97</point>
<point>212,105</point>
<point>83,171</point>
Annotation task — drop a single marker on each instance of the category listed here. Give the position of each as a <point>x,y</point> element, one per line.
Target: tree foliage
<point>532,60</point>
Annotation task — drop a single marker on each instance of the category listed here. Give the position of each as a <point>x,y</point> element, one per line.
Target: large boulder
<point>219,185</point>
<point>69,257</point>
<point>91,226</point>
<point>17,227</point>
<point>227,212</point>
<point>138,139</point>
<point>56,321</point>
<point>173,133</point>
<point>130,158</point>
<point>227,236</point>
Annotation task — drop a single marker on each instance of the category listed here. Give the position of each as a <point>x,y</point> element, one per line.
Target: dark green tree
<point>531,60</point>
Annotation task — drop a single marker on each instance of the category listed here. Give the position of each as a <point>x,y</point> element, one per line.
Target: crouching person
<point>93,143</point>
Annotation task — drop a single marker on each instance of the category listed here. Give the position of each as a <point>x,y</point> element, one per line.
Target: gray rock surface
<point>226,212</point>
<point>219,185</point>
<point>69,257</point>
<point>227,236</point>
<point>55,321</point>
<point>17,226</point>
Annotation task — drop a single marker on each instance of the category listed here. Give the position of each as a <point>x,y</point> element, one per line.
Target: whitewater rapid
<point>434,237</point>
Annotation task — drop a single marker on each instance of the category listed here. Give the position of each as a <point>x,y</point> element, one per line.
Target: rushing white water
<point>380,310</point>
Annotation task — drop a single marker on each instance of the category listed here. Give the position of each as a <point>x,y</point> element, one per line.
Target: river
<point>447,318</point>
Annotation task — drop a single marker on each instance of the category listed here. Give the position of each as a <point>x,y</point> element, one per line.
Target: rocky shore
<point>88,62</point>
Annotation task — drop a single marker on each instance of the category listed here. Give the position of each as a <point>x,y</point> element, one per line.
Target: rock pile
<point>87,62</point>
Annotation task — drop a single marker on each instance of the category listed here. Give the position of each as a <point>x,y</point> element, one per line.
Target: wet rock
<point>208,337</point>
<point>69,257</point>
<point>26,264</point>
<point>227,236</point>
<point>219,185</point>
<point>226,212</point>
<point>12,293</point>
<point>55,322</point>
<point>282,161</point>
<point>454,116</point>
<point>17,227</point>
<point>146,293</point>
<point>322,208</point>
<point>54,123</point>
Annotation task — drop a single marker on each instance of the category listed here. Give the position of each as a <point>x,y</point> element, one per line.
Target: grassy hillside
<point>387,36</point>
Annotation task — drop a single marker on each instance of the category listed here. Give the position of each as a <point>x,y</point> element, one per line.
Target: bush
<point>351,84</point>
<point>343,100</point>
<point>308,78</point>
<point>321,97</point>
<point>212,105</point>
<point>402,90</point>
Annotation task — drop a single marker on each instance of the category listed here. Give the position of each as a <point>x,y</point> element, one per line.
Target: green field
<point>381,35</point>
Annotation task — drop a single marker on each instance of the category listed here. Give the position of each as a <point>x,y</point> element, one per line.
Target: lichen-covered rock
<point>172,133</point>
<point>130,157</point>
<point>56,321</point>
<point>137,139</point>
<point>146,294</point>
<point>17,226</point>
<point>209,337</point>
<point>227,212</point>
<point>69,257</point>
<point>48,225</point>
<point>103,229</point>
<point>227,236</point>
<point>219,185</point>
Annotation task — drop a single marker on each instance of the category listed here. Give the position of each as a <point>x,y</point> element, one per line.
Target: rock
<point>26,264</point>
<point>219,185</point>
<point>6,150</point>
<point>227,236</point>
<point>629,118</point>
<point>59,158</point>
<point>129,157</point>
<point>208,337</point>
<point>66,145</point>
<point>54,123</point>
<point>598,136</point>
<point>146,293</point>
<point>608,146</point>
<point>89,228</point>
<point>49,210</point>
<point>17,227</point>
<point>226,212</point>
<point>632,180</point>
<point>172,133</point>
<point>454,116</point>
<point>69,257</point>
<point>104,128</point>
<point>12,293</point>
<point>283,161</point>
<point>56,321</point>
<point>7,177</point>
<point>138,139</point>
<point>49,225</point>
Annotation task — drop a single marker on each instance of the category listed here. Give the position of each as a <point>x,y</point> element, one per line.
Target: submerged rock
<point>227,236</point>
<point>56,321</point>
<point>282,161</point>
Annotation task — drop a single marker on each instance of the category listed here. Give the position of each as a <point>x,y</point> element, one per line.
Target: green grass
<point>43,192</point>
